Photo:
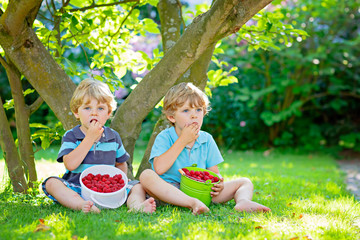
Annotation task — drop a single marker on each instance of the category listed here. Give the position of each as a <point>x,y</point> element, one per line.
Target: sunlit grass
<point>305,192</point>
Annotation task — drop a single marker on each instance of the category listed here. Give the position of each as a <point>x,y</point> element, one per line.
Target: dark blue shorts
<point>77,188</point>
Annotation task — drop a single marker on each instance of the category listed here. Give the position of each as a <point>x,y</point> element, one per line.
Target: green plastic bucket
<point>195,189</point>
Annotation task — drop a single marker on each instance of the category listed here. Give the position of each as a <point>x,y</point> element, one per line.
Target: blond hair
<point>176,97</point>
<point>92,89</point>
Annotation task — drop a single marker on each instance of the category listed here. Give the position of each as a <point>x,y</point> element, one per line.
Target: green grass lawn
<point>305,192</point>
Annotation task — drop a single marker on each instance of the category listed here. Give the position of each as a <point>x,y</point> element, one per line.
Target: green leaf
<point>71,66</point>
<point>77,3</point>
<point>267,117</point>
<point>257,94</point>
<point>28,91</point>
<point>38,125</point>
<point>153,2</point>
<point>9,104</point>
<point>243,98</point>
<point>338,103</point>
<point>151,26</point>
<point>98,77</point>
<point>45,142</point>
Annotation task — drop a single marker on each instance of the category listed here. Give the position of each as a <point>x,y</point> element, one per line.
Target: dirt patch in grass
<point>350,164</point>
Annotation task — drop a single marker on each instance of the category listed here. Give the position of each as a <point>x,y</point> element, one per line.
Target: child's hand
<point>190,132</point>
<point>95,130</point>
<point>217,188</point>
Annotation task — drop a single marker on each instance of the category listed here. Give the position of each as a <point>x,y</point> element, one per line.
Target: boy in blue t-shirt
<point>185,144</point>
<point>89,144</point>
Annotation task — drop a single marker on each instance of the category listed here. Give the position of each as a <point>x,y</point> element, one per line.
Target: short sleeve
<point>213,154</point>
<point>161,144</point>
<point>68,144</point>
<point>121,154</point>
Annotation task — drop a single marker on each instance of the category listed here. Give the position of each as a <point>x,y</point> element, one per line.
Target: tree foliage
<point>305,94</point>
<point>37,38</point>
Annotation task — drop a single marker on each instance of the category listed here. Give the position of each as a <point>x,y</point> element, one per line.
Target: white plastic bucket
<point>104,200</point>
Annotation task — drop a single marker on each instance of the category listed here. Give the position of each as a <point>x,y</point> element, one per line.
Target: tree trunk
<point>11,156</point>
<point>198,76</point>
<point>31,58</point>
<point>170,21</point>
<point>22,115</point>
<point>224,17</point>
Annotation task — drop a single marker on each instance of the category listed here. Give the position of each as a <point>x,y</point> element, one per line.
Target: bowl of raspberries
<point>197,182</point>
<point>105,185</point>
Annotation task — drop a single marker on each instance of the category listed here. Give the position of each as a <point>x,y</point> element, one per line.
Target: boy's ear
<point>171,118</point>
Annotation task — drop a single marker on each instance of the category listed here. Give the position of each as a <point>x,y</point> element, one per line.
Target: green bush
<point>304,95</point>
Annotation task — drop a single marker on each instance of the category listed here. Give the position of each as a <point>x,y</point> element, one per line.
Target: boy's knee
<point>146,174</point>
<point>137,188</point>
<point>50,183</point>
<point>245,180</point>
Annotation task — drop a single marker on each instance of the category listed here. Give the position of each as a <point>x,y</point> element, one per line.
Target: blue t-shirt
<point>109,150</point>
<point>204,153</point>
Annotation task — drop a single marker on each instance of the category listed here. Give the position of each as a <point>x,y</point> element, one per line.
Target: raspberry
<point>103,183</point>
<point>200,176</point>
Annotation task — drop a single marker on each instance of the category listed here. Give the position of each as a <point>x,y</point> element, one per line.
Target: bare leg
<point>166,192</point>
<point>137,200</point>
<point>68,198</point>
<point>241,190</point>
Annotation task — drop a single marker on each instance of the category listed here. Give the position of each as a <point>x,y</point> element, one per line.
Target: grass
<point>305,192</point>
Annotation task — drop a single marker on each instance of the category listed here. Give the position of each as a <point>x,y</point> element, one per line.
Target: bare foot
<point>199,207</point>
<point>89,206</point>
<point>250,206</point>
<point>148,206</point>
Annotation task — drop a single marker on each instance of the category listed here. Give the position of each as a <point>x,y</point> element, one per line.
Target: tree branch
<point>16,13</point>
<point>170,23</point>
<point>101,5</point>
<point>181,14</point>
<point>221,20</point>
<point>4,63</point>
<point>224,18</point>
<point>35,105</point>
<point>42,71</point>
<point>86,56</point>
<point>32,16</point>
<point>324,94</point>
<point>122,23</point>
<point>170,32</point>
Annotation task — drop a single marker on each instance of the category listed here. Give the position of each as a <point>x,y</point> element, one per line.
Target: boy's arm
<point>122,166</point>
<point>164,162</point>
<point>75,157</point>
